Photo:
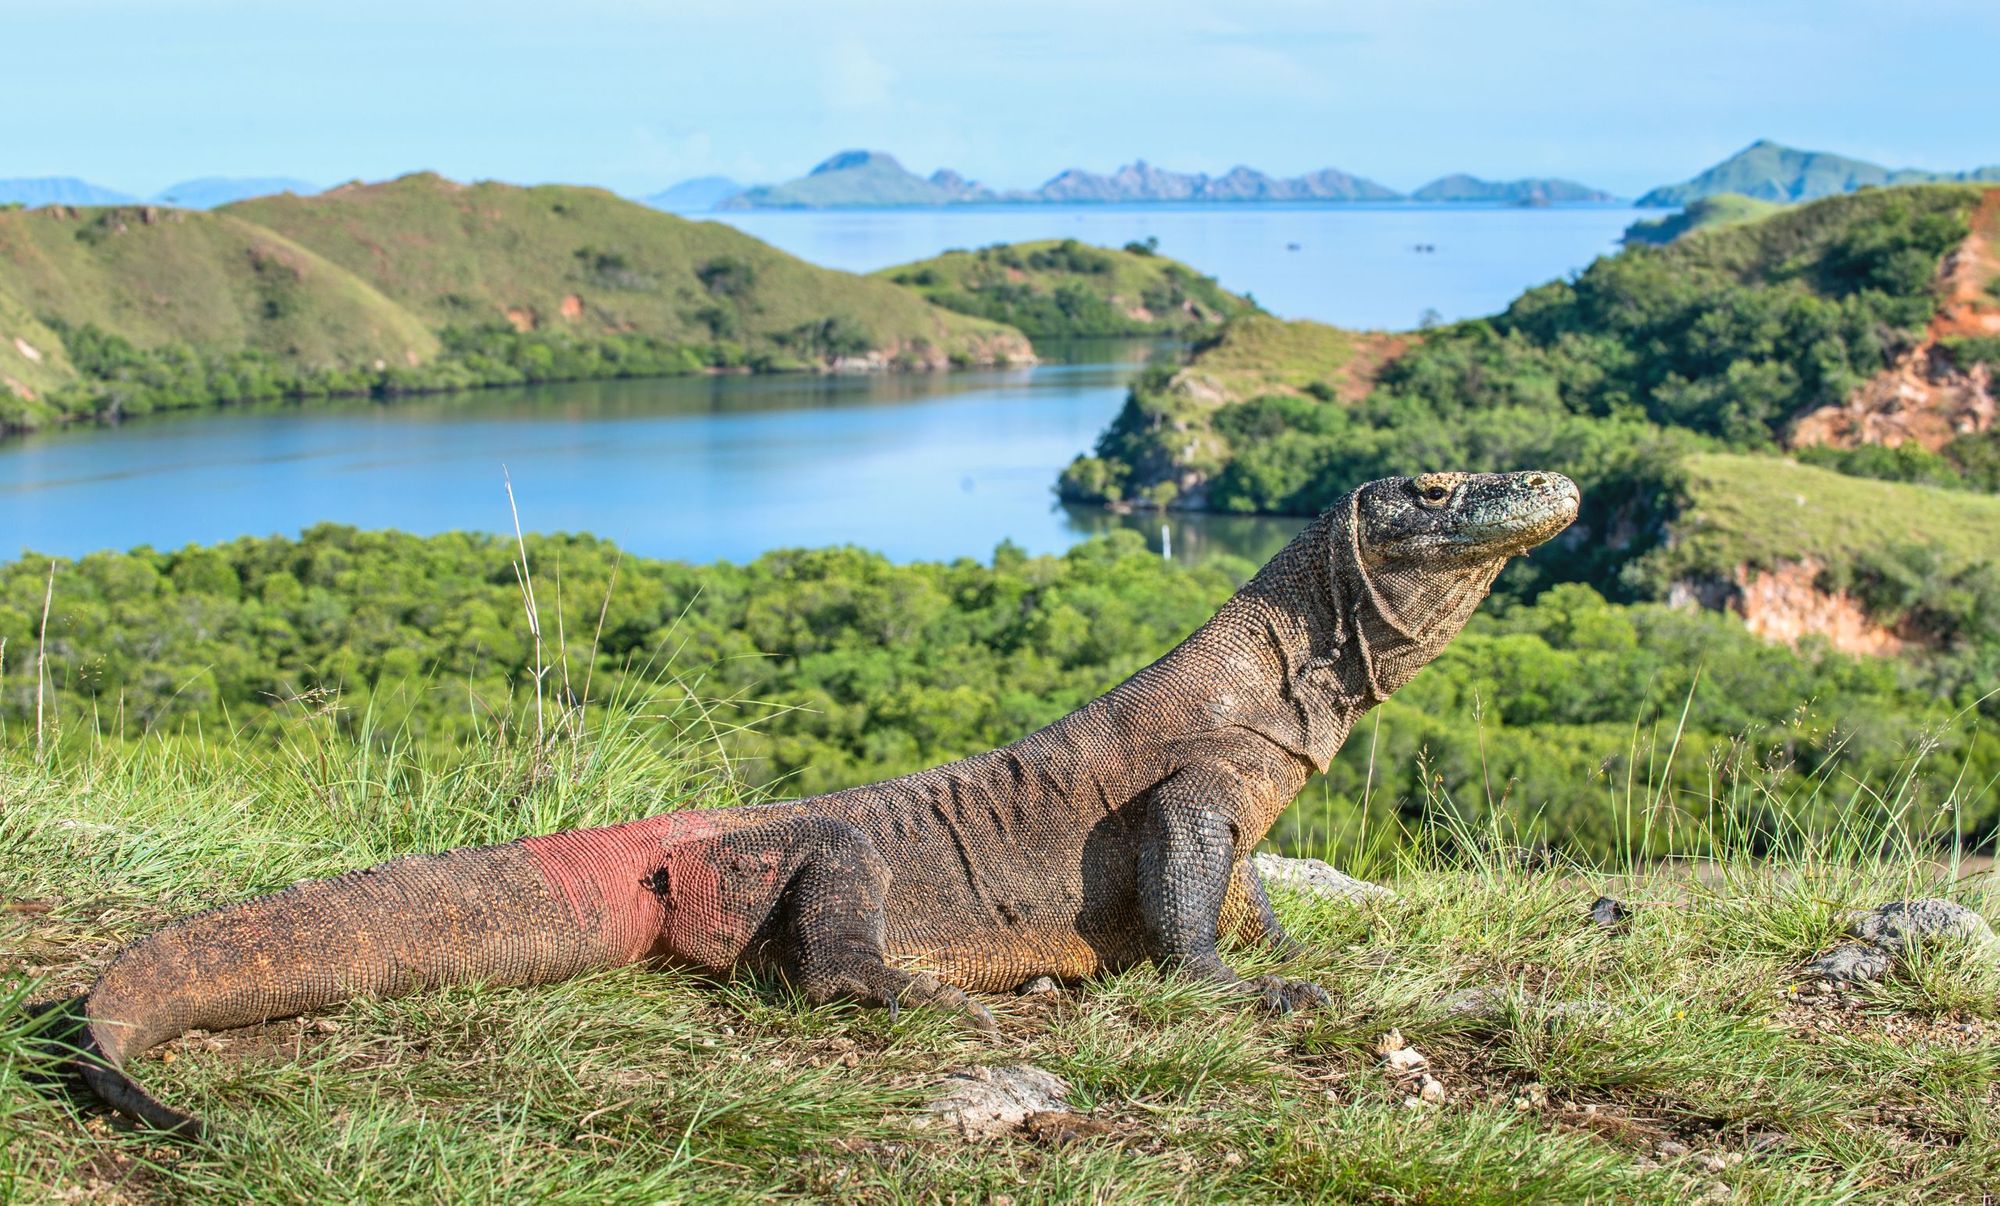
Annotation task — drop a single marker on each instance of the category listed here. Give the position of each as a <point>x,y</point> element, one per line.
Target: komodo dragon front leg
<point>1194,845</point>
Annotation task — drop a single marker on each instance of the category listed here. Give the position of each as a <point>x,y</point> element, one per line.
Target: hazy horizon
<point>641,95</point>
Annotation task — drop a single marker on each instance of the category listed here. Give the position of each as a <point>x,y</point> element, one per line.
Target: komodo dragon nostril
<point>1536,479</point>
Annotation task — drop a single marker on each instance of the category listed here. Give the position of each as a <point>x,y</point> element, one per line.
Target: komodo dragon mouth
<point>1118,834</point>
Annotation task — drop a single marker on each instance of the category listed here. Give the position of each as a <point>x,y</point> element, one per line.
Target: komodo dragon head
<point>1414,556</point>
<point>1380,584</point>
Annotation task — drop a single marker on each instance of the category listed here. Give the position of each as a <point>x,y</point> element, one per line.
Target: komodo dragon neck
<point>1306,647</point>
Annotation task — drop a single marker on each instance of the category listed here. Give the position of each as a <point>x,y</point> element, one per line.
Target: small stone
<point>324,1026</point>
<point>1431,1089</point>
<point>1611,915</point>
<point>1392,1041</point>
<point>1672,1149</point>
<point>1900,926</point>
<point>1405,1061</point>
<point>1316,878</point>
<point>1040,986</point>
<point>981,1103</point>
<point>1233,1159</point>
<point>1851,963</point>
<point>1713,1162</point>
<point>1716,1191</point>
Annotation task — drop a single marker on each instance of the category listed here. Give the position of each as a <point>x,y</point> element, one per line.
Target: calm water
<point>918,467</point>
<point>1356,265</point>
<point>922,466</point>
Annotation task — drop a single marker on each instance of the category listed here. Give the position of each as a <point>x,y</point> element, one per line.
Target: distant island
<point>205,192</point>
<point>1770,171</point>
<point>875,179</point>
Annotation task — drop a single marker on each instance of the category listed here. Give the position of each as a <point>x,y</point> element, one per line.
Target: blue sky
<point>637,94</point>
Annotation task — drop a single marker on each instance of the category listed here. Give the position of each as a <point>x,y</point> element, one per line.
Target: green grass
<point>1721,209</point>
<point>581,259</point>
<point>1761,511</point>
<point>631,1085</point>
<point>1064,289</point>
<point>210,282</point>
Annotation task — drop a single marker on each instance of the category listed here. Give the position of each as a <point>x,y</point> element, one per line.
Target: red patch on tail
<point>608,877</point>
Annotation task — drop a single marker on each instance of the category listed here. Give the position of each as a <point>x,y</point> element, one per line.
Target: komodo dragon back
<point>1119,833</point>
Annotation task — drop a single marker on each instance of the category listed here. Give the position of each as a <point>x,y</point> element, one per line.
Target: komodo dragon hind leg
<point>835,921</point>
<point>1188,868</point>
<point>1248,918</point>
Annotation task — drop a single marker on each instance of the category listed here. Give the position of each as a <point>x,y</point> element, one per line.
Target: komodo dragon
<point>1119,833</point>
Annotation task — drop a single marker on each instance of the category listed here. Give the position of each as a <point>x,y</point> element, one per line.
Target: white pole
<point>1166,543</point>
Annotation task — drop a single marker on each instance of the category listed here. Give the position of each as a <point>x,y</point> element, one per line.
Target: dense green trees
<point>830,667</point>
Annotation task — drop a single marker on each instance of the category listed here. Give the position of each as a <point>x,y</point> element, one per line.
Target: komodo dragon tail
<point>522,913</point>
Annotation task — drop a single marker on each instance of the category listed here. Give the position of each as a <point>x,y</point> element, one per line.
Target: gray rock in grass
<point>1895,930</point>
<point>984,1103</point>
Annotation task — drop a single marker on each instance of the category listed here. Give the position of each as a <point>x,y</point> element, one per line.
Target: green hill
<point>179,285</point>
<point>586,262</point>
<point>1720,209</point>
<point>1064,289</point>
<point>422,284</point>
<point>1770,171</point>
<point>1715,342</point>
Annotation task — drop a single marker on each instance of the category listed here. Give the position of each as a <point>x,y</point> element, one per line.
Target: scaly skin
<point>1120,833</point>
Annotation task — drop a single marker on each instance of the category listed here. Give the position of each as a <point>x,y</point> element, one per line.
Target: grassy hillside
<point>1715,341</point>
<point>585,262</point>
<point>209,284</point>
<point>1681,1058</point>
<point>422,284</point>
<point>1721,209</point>
<point>1763,511</point>
<point>1064,289</point>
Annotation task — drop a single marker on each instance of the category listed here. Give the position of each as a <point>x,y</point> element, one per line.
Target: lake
<point>929,466</point>
<point>919,466</point>
<point>1355,265</point>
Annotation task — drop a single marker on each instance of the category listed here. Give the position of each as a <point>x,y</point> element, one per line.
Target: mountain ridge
<point>1771,171</point>
<point>859,178</point>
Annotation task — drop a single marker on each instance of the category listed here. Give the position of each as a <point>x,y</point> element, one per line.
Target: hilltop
<point>1064,289</point>
<point>421,283</point>
<point>1770,171</point>
<point>201,286</point>
<point>581,260</point>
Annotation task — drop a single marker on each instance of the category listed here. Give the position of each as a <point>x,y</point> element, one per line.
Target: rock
<point>1896,929</point>
<point>1431,1090</point>
<point>1903,925</point>
<point>1672,1149</point>
<point>984,1103</point>
<point>1487,1002</point>
<point>1316,878</point>
<point>1611,915</point>
<point>1039,986</point>
<point>1852,963</point>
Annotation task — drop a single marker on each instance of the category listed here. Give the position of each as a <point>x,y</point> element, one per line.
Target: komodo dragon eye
<point>1436,493</point>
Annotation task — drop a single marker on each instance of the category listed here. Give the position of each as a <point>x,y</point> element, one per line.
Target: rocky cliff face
<point>1786,604</point>
<point>1927,396</point>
